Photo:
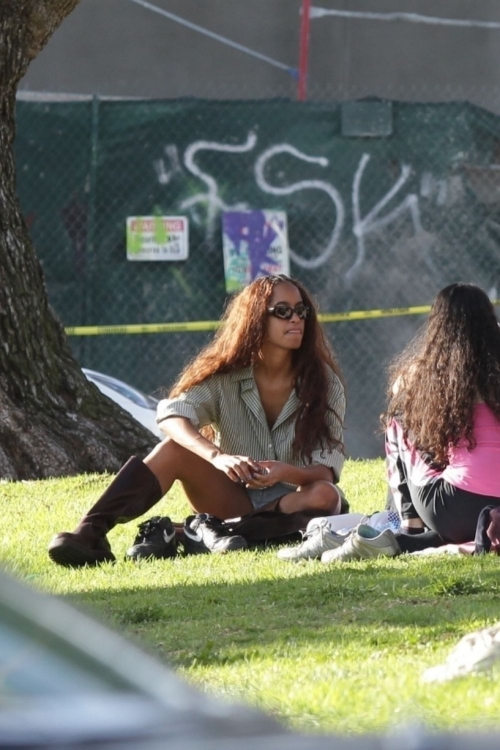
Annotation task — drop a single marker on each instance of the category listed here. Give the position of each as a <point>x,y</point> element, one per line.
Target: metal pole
<point>89,276</point>
<point>304,50</point>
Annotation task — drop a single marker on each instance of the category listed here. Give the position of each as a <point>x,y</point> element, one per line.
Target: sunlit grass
<point>324,648</point>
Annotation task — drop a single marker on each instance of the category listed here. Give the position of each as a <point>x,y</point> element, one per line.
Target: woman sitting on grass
<point>269,388</point>
<point>442,439</point>
<point>443,422</point>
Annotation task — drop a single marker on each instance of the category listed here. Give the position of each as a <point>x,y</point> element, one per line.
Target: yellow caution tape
<point>211,325</point>
<point>390,312</point>
<point>195,325</point>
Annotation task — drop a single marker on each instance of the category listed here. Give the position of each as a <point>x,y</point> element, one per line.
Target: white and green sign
<point>157,238</point>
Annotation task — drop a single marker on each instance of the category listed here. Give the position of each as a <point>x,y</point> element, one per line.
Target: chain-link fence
<point>386,202</point>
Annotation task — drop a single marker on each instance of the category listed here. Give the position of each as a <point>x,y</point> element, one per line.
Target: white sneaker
<point>363,543</point>
<point>318,538</point>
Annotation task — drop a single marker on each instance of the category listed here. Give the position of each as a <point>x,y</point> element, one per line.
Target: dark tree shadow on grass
<point>368,602</point>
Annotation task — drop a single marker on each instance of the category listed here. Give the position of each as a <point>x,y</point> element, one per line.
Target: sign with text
<point>255,243</point>
<point>157,238</point>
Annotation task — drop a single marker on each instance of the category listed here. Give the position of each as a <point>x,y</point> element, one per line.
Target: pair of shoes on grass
<point>362,543</point>
<point>202,533</point>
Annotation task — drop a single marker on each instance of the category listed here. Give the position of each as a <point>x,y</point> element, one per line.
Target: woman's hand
<point>267,474</point>
<point>493,530</point>
<point>240,469</point>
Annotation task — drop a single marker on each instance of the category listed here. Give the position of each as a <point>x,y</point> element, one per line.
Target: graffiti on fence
<point>399,199</point>
<point>212,200</point>
<point>164,176</point>
<point>322,185</point>
<point>372,221</point>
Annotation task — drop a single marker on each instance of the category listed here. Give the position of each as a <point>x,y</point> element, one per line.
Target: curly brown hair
<point>452,363</point>
<point>238,343</point>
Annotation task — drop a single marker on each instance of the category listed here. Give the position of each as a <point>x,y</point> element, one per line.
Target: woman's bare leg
<point>322,496</point>
<point>208,489</point>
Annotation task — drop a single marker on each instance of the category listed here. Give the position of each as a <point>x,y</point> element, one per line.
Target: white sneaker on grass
<point>364,543</point>
<point>318,538</point>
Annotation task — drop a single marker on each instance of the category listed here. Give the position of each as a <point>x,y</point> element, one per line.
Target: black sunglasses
<point>286,312</point>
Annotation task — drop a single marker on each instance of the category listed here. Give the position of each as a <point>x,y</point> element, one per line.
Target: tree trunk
<point>52,420</point>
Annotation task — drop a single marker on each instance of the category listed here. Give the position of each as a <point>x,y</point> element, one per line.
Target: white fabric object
<point>347,521</point>
<point>383,520</point>
<point>380,520</point>
<point>475,652</point>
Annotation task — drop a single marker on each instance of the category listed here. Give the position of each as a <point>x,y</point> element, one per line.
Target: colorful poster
<point>157,238</point>
<point>254,243</point>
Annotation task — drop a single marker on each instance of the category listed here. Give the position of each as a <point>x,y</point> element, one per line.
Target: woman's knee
<point>166,461</point>
<point>164,450</point>
<point>325,497</point>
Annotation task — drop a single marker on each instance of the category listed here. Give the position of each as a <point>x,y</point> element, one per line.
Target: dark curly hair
<point>452,363</point>
<point>238,343</point>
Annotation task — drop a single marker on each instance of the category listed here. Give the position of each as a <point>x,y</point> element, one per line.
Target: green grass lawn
<point>339,648</point>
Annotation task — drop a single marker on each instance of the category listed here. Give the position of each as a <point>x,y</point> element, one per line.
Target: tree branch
<point>25,28</point>
<point>44,18</point>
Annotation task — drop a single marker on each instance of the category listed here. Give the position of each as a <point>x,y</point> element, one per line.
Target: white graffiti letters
<point>303,185</point>
<point>211,198</point>
<point>374,221</point>
<point>163,176</point>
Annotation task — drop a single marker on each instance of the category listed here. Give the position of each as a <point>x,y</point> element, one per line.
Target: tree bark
<point>53,422</point>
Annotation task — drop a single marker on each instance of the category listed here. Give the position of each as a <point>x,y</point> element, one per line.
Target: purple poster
<point>255,243</point>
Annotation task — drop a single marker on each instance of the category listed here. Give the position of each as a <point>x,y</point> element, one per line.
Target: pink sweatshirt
<point>477,470</point>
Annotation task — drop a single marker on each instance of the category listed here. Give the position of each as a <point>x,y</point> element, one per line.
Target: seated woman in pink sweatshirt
<point>443,423</point>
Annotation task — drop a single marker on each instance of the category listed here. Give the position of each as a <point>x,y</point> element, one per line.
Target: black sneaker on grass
<point>155,540</point>
<point>206,533</point>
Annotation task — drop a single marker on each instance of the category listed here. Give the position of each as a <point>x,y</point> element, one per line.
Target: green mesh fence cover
<point>374,221</point>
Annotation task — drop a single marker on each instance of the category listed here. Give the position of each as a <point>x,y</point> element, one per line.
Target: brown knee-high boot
<point>133,491</point>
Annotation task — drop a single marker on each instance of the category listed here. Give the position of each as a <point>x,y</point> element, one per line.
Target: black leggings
<point>423,498</point>
<point>451,512</point>
<point>417,542</point>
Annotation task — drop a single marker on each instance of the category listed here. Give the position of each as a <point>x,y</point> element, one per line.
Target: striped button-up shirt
<point>231,404</point>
